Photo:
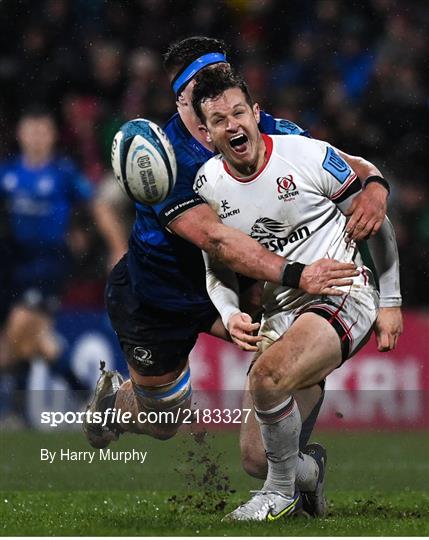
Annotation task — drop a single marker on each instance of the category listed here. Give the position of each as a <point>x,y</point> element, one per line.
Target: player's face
<point>36,136</point>
<point>232,125</point>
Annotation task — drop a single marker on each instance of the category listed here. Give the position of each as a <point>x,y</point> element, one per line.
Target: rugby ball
<point>143,161</point>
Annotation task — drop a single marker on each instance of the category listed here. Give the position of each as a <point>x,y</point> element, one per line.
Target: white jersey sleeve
<point>221,282</point>
<point>202,186</point>
<point>338,182</point>
<point>222,287</point>
<point>334,177</point>
<point>384,252</point>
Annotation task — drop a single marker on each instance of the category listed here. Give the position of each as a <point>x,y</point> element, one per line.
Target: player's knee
<point>268,376</point>
<point>253,462</point>
<point>161,408</point>
<point>264,376</point>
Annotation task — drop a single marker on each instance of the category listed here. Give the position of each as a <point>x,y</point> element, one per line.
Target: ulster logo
<point>286,188</point>
<point>273,234</point>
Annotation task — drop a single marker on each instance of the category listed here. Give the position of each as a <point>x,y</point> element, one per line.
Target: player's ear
<point>205,133</point>
<point>256,112</point>
<point>181,99</point>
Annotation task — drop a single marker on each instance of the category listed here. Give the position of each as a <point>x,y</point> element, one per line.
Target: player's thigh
<point>156,345</point>
<point>304,355</point>
<point>352,317</point>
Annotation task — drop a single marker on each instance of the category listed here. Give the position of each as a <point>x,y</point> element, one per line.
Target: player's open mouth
<point>239,143</point>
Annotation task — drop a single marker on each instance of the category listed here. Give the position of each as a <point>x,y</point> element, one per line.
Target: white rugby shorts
<point>351,315</point>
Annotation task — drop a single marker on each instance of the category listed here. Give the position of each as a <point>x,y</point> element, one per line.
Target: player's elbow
<point>362,167</point>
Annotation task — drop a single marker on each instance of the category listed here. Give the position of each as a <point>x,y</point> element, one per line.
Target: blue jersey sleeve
<point>278,126</point>
<point>181,198</point>
<point>190,155</point>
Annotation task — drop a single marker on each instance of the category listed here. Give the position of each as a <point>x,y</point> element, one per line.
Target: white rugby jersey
<point>289,206</point>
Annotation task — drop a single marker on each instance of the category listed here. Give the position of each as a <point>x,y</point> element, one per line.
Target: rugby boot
<point>314,502</point>
<point>108,384</point>
<point>266,506</point>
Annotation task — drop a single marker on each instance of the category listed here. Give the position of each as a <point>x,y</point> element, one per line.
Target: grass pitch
<point>377,485</point>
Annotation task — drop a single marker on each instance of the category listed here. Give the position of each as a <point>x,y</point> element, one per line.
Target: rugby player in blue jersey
<point>156,295</point>
<point>39,190</point>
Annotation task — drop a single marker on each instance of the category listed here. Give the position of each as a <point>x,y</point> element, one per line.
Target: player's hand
<point>241,330</point>
<point>388,327</point>
<point>367,212</point>
<point>324,275</point>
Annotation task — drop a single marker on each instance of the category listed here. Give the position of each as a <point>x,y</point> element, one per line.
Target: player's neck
<point>191,121</point>
<point>36,161</point>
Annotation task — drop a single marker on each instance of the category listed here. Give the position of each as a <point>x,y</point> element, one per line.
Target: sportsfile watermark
<point>118,416</point>
<point>374,431</point>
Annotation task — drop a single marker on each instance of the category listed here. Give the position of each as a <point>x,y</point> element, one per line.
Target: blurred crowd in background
<point>353,73</point>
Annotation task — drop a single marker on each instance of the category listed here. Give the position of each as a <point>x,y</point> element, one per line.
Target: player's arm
<point>111,229</point>
<point>222,287</point>
<point>81,192</point>
<point>368,209</point>
<point>382,246</point>
<point>244,255</point>
<point>342,187</point>
<point>384,252</point>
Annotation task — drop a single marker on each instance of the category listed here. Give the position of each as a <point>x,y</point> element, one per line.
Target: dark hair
<point>182,53</point>
<point>36,111</point>
<point>212,82</point>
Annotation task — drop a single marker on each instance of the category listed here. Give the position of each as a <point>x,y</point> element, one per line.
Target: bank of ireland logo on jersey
<point>286,188</point>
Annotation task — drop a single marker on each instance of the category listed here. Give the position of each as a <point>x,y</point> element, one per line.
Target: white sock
<point>280,429</point>
<point>307,472</point>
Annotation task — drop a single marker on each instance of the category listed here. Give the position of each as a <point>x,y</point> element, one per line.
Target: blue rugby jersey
<point>39,202</point>
<point>166,271</point>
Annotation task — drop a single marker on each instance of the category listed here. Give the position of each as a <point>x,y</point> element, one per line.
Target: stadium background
<point>353,73</point>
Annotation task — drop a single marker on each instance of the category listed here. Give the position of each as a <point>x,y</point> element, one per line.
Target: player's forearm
<point>202,227</point>
<point>384,253</point>
<point>243,254</point>
<point>110,227</point>
<point>222,287</point>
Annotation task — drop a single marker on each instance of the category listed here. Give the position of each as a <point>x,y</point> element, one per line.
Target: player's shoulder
<point>176,131</point>
<point>171,125</point>
<point>208,174</point>
<point>212,167</point>
<point>9,171</point>
<point>279,126</point>
<point>64,164</point>
<point>189,152</point>
<point>298,145</point>
<point>10,164</point>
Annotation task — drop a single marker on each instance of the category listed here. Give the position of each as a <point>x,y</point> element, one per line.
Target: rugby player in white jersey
<point>289,193</point>
<point>169,339</point>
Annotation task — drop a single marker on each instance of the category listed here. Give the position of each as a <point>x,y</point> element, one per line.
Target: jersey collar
<point>269,150</point>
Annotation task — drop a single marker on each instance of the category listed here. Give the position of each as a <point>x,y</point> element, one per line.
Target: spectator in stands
<point>40,191</point>
<point>353,73</point>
